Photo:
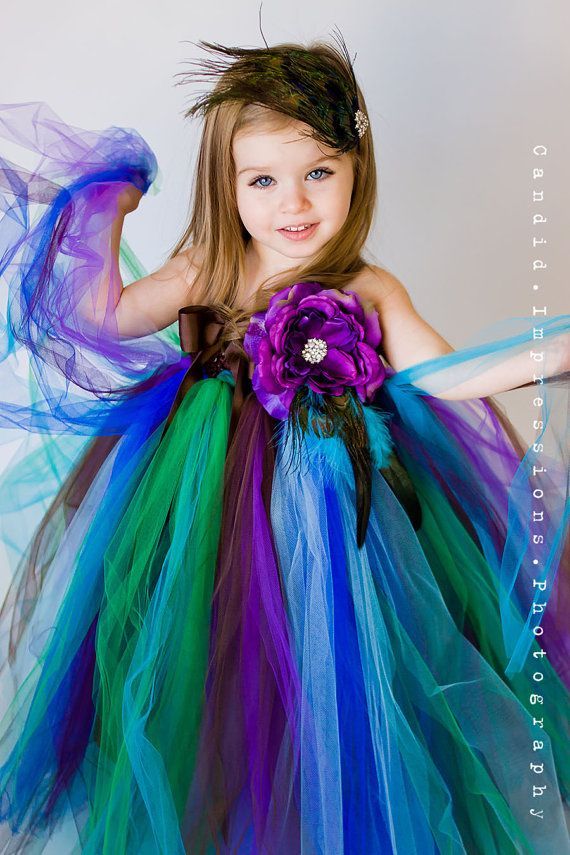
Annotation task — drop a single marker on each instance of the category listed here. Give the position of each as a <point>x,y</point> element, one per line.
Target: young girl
<point>291,596</point>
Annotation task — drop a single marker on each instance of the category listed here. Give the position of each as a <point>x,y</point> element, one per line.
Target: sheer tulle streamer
<point>55,228</point>
<point>145,575</point>
<point>47,634</point>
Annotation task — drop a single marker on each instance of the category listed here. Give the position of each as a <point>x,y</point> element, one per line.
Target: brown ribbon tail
<point>402,486</point>
<point>192,376</point>
<point>362,469</point>
<point>199,328</point>
<point>238,364</point>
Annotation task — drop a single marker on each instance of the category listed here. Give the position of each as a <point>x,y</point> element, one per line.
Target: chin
<point>302,248</point>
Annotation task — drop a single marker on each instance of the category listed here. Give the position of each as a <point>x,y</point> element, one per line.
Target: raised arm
<point>150,303</point>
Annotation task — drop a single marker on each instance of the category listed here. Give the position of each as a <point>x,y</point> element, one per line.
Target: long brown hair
<point>215,226</point>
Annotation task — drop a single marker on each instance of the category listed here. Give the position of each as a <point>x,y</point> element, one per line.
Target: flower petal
<point>340,365</point>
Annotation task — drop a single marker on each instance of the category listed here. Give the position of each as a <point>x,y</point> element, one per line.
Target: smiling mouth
<point>302,227</point>
<point>301,233</point>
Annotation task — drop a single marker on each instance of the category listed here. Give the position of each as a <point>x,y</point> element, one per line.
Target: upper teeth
<point>297,228</point>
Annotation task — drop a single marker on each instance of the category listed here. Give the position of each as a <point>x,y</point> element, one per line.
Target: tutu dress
<point>315,610</point>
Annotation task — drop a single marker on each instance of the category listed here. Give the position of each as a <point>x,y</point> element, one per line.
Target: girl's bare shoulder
<point>185,265</point>
<point>406,337</point>
<point>376,284</point>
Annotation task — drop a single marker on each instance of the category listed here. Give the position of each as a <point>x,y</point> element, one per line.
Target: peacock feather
<point>311,85</point>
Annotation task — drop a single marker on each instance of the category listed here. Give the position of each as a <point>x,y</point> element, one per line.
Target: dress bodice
<point>309,336</point>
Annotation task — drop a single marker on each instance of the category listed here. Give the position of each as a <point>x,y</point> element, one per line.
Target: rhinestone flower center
<point>314,350</point>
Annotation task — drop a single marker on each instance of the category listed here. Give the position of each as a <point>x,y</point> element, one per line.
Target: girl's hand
<point>128,199</point>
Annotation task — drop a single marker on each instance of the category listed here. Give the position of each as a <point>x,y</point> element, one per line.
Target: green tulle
<point>152,638</point>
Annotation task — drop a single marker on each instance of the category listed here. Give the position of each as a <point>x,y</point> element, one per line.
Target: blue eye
<point>324,171</point>
<point>255,182</point>
<point>261,177</point>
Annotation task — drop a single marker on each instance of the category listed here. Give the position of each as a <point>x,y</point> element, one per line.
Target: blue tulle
<point>434,706</point>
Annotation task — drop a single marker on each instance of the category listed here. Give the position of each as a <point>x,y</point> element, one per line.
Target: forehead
<point>261,146</point>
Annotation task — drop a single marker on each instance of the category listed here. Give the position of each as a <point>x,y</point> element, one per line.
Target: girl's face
<point>284,179</point>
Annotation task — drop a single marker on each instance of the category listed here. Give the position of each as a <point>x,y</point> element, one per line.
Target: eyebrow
<point>268,168</point>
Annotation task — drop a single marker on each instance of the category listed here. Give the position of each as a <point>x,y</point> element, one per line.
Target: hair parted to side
<point>215,226</point>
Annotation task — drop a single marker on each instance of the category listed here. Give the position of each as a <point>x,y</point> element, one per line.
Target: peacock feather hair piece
<point>314,86</point>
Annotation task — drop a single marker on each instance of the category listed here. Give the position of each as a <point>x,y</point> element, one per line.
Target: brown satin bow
<point>200,328</point>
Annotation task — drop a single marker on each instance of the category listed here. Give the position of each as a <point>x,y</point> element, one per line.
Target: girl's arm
<point>150,303</point>
<point>408,340</point>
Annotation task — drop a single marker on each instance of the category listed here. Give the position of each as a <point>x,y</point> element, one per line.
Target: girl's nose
<point>294,199</point>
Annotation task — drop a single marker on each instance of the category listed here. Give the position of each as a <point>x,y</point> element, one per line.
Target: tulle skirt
<point>196,656</point>
<point>215,666</point>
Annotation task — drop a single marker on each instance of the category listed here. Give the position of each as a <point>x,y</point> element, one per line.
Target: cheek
<point>339,208</point>
<point>344,201</point>
<point>245,208</point>
<point>251,210</point>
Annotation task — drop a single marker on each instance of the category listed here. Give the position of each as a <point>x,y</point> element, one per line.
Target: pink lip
<point>302,235</point>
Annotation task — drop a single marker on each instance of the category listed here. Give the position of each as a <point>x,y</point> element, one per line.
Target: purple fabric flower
<point>323,338</point>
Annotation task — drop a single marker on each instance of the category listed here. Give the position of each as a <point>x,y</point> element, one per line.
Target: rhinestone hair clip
<point>361,121</point>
